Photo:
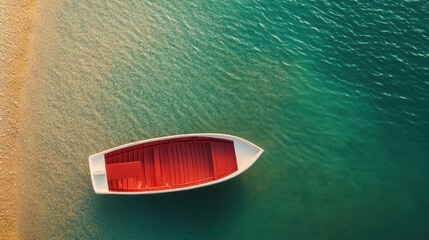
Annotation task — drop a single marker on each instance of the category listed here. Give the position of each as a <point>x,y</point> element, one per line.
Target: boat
<point>171,163</point>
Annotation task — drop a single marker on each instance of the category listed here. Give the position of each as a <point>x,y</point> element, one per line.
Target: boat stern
<point>97,169</point>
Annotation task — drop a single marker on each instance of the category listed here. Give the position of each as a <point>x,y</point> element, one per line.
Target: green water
<point>335,92</point>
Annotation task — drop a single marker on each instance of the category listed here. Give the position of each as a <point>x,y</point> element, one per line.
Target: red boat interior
<point>167,164</point>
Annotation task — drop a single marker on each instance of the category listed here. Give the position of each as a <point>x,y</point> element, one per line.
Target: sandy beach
<point>15,28</point>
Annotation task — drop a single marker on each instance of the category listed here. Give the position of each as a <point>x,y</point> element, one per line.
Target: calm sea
<point>336,92</point>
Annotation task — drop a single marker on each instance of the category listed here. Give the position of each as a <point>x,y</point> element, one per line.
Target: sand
<point>15,29</point>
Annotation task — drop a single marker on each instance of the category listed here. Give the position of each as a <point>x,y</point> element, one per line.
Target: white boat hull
<point>246,155</point>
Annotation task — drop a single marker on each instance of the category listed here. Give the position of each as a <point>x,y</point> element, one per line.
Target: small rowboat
<point>172,163</point>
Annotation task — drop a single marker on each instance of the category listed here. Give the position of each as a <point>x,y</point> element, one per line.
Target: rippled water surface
<point>335,92</point>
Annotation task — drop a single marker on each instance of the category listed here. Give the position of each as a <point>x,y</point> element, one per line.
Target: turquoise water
<point>335,92</point>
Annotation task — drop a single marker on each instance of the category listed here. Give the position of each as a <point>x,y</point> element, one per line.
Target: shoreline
<point>15,29</point>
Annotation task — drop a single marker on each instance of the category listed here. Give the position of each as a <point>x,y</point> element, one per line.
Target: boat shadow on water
<point>188,212</point>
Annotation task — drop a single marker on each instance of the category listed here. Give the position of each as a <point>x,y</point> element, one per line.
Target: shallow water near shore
<point>335,93</point>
